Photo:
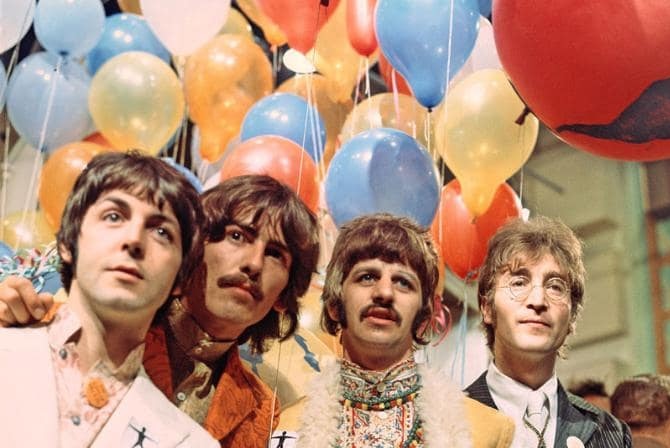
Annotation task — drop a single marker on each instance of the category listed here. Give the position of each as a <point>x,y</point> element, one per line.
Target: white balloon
<point>184,25</point>
<point>16,16</point>
<point>484,55</point>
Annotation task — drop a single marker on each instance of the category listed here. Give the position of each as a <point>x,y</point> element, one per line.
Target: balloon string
<point>275,387</point>
<point>357,91</point>
<point>462,337</point>
<point>367,78</point>
<point>449,46</point>
<point>179,147</point>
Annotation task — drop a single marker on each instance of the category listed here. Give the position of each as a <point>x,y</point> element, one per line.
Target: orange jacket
<point>241,409</point>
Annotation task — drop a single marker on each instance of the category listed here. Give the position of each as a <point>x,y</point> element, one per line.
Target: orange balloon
<point>59,174</point>
<point>360,25</point>
<point>333,110</point>
<point>99,139</point>
<point>222,80</point>
<point>280,158</point>
<point>271,31</point>
<point>132,6</point>
<point>26,230</point>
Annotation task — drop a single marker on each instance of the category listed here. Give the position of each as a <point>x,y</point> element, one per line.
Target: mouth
<point>128,270</point>
<point>380,315</point>
<point>535,323</point>
<point>247,287</point>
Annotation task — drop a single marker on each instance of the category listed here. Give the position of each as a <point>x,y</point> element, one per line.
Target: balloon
<point>379,111</point>
<point>59,174</point>
<point>277,157</point>
<point>427,41</point>
<point>130,6</point>
<point>382,170</point>
<point>3,84</point>
<point>271,31</point>
<point>69,27</point>
<point>485,7</point>
<point>15,19</point>
<point>387,72</point>
<point>333,110</point>
<point>47,100</point>
<point>289,116</point>
<point>237,24</point>
<point>183,26</point>
<point>26,230</point>
<point>5,250</point>
<point>98,139</point>
<point>188,174</point>
<point>483,56</point>
<point>136,101</point>
<point>299,20</point>
<point>121,33</point>
<point>360,26</point>
<point>462,237</point>
<point>479,138</point>
<point>222,80</point>
<point>601,85</point>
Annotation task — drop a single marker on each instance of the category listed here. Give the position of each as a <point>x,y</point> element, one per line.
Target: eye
<point>235,235</point>
<point>557,286</point>
<point>404,283</point>
<point>112,216</point>
<point>277,254</point>
<point>164,233</point>
<point>518,281</point>
<point>365,278</point>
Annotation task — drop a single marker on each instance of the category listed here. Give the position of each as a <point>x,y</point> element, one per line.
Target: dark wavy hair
<point>392,239</point>
<point>531,240</point>
<point>146,177</point>
<point>265,199</point>
<point>641,401</point>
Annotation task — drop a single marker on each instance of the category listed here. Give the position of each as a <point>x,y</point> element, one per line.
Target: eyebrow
<point>548,275</point>
<point>253,231</point>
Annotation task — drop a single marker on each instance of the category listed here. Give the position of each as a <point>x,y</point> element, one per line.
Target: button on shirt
<point>511,398</point>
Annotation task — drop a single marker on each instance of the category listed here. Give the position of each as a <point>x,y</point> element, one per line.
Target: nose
<point>537,297</point>
<point>134,241</point>
<point>383,291</point>
<point>254,256</point>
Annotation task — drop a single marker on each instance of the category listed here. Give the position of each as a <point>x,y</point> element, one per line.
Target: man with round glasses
<point>531,288</point>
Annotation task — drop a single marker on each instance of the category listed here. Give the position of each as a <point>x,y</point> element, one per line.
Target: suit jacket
<point>29,405</point>
<point>576,417</point>
<point>241,410</point>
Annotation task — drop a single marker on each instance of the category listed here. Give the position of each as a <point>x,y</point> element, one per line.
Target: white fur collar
<point>439,403</point>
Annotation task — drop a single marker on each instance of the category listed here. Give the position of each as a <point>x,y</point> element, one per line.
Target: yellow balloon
<point>333,110</point>
<point>334,56</point>
<point>222,80</point>
<point>481,137</point>
<point>237,24</point>
<point>136,101</point>
<point>25,230</point>
<point>380,111</point>
<point>132,6</point>
<point>272,32</point>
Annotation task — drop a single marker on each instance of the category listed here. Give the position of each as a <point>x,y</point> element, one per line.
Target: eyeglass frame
<point>567,299</point>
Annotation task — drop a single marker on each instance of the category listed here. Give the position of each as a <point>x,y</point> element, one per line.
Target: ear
<point>176,291</point>
<point>65,254</point>
<point>487,311</point>
<point>333,312</point>
<point>280,306</point>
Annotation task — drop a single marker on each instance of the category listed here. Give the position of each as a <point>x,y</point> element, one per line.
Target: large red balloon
<point>300,20</point>
<point>360,26</point>
<point>277,157</point>
<point>596,72</point>
<point>461,237</point>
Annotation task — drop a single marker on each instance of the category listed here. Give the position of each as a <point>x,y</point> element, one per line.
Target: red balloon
<point>277,157</point>
<point>360,26</point>
<point>461,237</point>
<point>596,72</point>
<point>99,139</point>
<point>300,20</point>
<point>386,70</point>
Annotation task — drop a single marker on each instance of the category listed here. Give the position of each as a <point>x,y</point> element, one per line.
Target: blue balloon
<point>3,85</point>
<point>188,174</point>
<point>485,7</point>
<point>125,32</point>
<point>52,282</point>
<point>426,43</point>
<point>69,27</point>
<point>43,89</point>
<point>382,170</point>
<point>288,116</point>
<point>5,250</point>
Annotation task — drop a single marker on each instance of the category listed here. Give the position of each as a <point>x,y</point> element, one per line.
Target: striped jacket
<point>576,417</point>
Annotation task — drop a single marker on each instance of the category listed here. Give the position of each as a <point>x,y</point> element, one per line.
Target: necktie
<point>536,417</point>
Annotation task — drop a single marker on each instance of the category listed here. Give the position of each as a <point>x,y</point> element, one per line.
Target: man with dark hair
<point>592,391</point>
<point>643,402</point>
<point>261,248</point>
<point>379,290</point>
<point>128,238</point>
<point>531,289</point>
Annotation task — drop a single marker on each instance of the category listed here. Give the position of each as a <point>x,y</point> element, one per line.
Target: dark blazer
<point>576,417</point>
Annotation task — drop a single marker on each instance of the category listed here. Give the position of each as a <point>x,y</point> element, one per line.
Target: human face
<point>380,303</point>
<point>245,274</point>
<point>128,255</point>
<point>530,327</point>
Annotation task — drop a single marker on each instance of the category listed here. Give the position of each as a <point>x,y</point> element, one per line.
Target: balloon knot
<point>430,109</point>
<point>325,3</point>
<point>522,117</point>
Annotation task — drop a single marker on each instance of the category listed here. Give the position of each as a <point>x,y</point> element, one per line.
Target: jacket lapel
<point>572,421</point>
<point>479,390</point>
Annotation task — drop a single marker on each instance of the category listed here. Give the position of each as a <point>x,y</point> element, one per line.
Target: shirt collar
<point>509,393</point>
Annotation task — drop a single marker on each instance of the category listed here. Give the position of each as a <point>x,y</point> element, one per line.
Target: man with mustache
<point>378,292</point>
<point>531,289</point>
<point>261,248</point>
<point>128,238</point>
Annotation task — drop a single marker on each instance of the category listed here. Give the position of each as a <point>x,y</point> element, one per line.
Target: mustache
<point>241,281</point>
<point>388,308</point>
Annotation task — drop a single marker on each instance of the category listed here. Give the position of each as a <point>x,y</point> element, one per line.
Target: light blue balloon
<point>426,43</point>
<point>69,28</point>
<point>3,85</point>
<point>188,174</point>
<point>288,116</point>
<point>39,85</point>
<point>5,250</point>
<point>485,7</point>
<point>125,32</point>
<point>382,170</point>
